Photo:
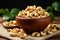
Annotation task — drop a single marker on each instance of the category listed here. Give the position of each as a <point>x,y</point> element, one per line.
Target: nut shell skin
<point>30,25</point>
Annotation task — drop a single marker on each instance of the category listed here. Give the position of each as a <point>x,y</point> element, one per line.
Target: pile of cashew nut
<point>16,32</point>
<point>33,12</point>
<point>9,24</point>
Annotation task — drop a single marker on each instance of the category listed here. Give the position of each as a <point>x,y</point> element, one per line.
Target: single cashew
<point>21,35</point>
<point>50,32</point>
<point>13,34</point>
<point>36,34</point>
<point>43,33</point>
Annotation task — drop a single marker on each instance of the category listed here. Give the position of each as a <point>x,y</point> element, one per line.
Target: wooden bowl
<point>30,25</point>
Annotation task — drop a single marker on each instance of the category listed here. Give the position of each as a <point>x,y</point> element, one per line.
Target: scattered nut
<point>16,32</point>
<point>21,30</point>
<point>21,35</point>
<point>13,34</point>
<point>54,30</point>
<point>10,24</point>
<point>36,34</point>
<point>50,32</point>
<point>5,24</point>
<point>56,26</point>
<point>16,29</point>
<point>43,33</point>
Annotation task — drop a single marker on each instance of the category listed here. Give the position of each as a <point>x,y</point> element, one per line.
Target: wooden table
<point>57,20</point>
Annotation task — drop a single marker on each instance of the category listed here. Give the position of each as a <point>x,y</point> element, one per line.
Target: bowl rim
<point>32,18</point>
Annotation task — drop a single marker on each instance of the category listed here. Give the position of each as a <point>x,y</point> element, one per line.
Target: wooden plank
<point>57,19</point>
<point>56,22</point>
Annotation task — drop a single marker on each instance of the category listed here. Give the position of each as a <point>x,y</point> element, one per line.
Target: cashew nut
<point>43,33</point>
<point>36,34</point>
